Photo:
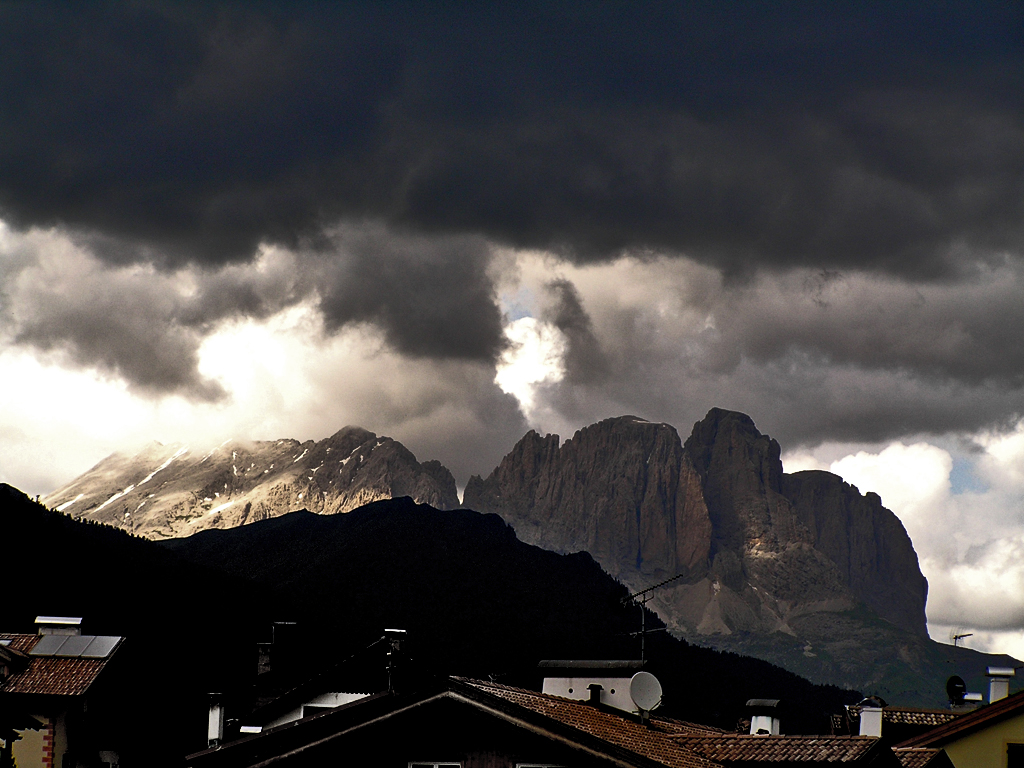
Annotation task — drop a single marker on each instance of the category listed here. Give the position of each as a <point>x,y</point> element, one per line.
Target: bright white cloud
<point>535,357</point>
<point>282,377</point>
<point>799,461</point>
<point>913,479</point>
<point>1003,463</point>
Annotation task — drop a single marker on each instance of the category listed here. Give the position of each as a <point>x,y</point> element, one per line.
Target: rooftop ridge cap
<point>774,737</point>
<point>693,758</point>
<point>968,720</point>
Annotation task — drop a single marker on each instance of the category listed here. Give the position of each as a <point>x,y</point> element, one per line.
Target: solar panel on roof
<point>100,647</point>
<point>48,645</point>
<point>74,646</point>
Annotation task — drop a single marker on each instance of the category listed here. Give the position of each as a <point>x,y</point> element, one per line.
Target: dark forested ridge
<point>477,601</point>
<point>474,600</point>
<point>189,629</point>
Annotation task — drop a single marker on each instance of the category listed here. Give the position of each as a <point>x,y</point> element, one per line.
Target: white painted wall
<point>614,690</point>
<point>330,699</point>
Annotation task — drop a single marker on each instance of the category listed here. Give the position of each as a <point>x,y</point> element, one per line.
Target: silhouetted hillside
<point>477,601</point>
<point>474,599</point>
<point>189,629</point>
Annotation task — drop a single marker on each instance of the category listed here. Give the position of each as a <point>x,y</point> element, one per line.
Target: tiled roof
<point>918,757</point>
<point>601,730</point>
<point>969,722</point>
<point>774,749</point>
<point>48,675</point>
<point>911,716</point>
<point>655,742</point>
<point>919,716</point>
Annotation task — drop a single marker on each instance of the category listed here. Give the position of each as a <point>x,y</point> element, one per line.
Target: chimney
<point>999,682</point>
<point>58,625</point>
<point>871,717</point>
<point>764,717</point>
<point>595,693</point>
<point>215,726</point>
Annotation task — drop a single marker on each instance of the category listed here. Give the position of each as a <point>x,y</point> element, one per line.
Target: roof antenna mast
<point>644,595</point>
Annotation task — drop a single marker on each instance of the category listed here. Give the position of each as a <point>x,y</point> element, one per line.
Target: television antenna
<point>644,595</point>
<point>957,634</point>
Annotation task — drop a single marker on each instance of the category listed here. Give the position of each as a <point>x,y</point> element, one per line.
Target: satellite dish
<point>645,691</point>
<point>956,689</point>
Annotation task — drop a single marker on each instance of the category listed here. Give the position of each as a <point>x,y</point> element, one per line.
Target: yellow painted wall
<point>28,750</point>
<point>987,748</point>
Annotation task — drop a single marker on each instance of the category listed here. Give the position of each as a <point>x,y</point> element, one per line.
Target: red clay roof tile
<point>771,749</point>
<point>614,727</point>
<point>916,757</point>
<point>48,675</point>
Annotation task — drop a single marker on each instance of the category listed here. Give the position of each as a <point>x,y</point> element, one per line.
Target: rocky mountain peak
<point>170,491</point>
<point>758,554</point>
<point>620,489</point>
<point>741,472</point>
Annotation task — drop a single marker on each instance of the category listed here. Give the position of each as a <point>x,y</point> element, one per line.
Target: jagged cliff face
<point>866,541</point>
<point>622,490</point>
<point>760,554</point>
<point>170,491</point>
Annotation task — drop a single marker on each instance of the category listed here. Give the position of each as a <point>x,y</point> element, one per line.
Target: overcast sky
<point>452,222</point>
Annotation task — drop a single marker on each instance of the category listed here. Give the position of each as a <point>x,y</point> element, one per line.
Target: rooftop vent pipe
<point>394,638</point>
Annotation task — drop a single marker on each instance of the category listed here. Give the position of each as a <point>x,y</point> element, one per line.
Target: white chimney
<point>764,717</point>
<point>871,721</point>
<point>58,625</point>
<point>999,682</point>
<point>215,726</point>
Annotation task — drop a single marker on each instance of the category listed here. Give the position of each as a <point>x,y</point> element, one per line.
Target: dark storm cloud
<point>134,322</point>
<point>965,334</point>
<point>428,296</point>
<point>431,296</point>
<point>858,136</point>
<point>584,361</point>
<point>811,356</point>
<point>751,138</point>
<point>121,323</point>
